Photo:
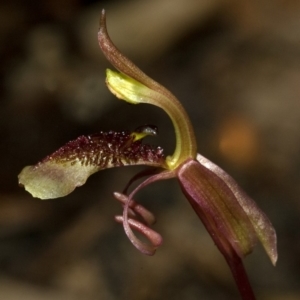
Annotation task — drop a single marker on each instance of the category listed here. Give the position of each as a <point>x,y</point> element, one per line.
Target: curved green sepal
<point>134,86</point>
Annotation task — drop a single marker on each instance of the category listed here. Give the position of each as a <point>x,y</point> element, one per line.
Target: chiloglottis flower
<point>231,217</point>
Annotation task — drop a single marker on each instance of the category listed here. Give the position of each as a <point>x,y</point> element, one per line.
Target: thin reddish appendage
<point>139,175</point>
<point>129,223</point>
<point>135,209</point>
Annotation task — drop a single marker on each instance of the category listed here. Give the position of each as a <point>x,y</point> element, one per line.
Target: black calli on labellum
<point>230,216</point>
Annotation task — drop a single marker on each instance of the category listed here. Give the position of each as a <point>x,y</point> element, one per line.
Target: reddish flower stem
<point>240,276</point>
<point>232,258</point>
<point>234,261</point>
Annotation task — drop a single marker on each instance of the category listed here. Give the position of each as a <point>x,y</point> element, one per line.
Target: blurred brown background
<point>235,65</point>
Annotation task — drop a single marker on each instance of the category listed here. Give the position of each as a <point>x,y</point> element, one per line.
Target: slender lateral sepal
<point>135,209</point>
<point>129,204</point>
<point>154,237</point>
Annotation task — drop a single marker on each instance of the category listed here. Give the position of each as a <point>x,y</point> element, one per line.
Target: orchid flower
<point>232,218</point>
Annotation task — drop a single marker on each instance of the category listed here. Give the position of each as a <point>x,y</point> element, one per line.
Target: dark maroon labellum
<point>107,149</point>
